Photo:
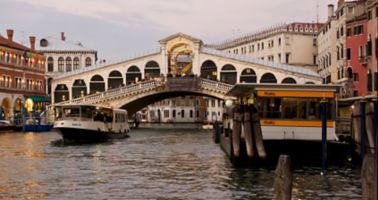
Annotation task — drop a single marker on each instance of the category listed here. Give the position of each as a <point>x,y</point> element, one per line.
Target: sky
<point>118,29</point>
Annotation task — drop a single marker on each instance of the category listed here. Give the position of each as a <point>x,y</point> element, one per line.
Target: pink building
<point>356,56</point>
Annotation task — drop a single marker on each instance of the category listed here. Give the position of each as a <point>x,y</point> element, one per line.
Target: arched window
<point>268,78</point>
<point>289,80</point>
<point>133,75</point>
<point>50,64</point>
<point>248,75</point>
<point>88,62</point>
<point>76,63</point>
<point>209,70</point>
<point>350,72</point>
<point>60,64</point>
<point>61,93</point>
<point>68,64</point>
<point>152,69</point>
<point>79,88</point>
<point>228,74</point>
<point>96,84</point>
<point>115,79</point>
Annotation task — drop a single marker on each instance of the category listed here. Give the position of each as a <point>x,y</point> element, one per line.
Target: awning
<point>39,98</point>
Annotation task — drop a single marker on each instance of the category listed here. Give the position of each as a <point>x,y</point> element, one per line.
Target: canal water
<point>172,162</point>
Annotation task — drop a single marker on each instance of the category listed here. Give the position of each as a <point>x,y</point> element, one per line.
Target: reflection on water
<point>166,163</point>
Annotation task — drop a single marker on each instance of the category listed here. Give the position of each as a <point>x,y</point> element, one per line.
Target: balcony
<point>363,60</point>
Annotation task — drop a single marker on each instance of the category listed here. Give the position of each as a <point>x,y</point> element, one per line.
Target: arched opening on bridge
<point>133,75</point>
<point>228,74</point>
<point>209,70</point>
<point>289,80</point>
<point>61,93</point>
<point>151,70</point>
<point>96,84</point>
<point>115,79</point>
<point>248,75</point>
<point>79,88</point>
<point>268,78</point>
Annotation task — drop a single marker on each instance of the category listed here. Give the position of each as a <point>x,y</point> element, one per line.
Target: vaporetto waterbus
<point>85,123</point>
<point>291,111</point>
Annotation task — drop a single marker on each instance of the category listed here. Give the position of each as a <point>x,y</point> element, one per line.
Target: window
<point>314,42</point>
<point>61,64</point>
<point>279,57</point>
<point>355,76</point>
<point>191,114</point>
<point>349,32</point>
<point>341,31</point>
<point>50,64</point>
<point>88,62</point>
<point>368,14</point>
<point>314,59</point>
<point>279,41</point>
<point>262,46</point>
<point>348,53</point>
<point>368,46</point>
<point>287,57</point>
<point>76,63</point>
<point>166,113</point>
<point>173,113</point>
<point>358,30</point>
<point>182,113</point>
<point>68,64</point>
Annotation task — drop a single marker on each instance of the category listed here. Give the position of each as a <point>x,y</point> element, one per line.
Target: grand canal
<point>154,163</point>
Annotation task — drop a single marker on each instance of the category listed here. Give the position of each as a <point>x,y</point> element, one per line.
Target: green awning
<point>39,98</point>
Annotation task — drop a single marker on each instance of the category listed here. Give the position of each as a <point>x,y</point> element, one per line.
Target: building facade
<point>372,46</point>
<point>356,59</point>
<point>64,56</point>
<point>332,43</point>
<point>294,44</point>
<point>21,77</point>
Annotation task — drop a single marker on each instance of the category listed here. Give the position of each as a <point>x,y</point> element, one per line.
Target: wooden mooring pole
<point>367,177</point>
<point>362,128</point>
<point>283,179</point>
<point>323,105</point>
<point>375,127</point>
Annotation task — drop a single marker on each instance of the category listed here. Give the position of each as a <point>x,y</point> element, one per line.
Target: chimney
<point>10,34</point>
<point>32,42</point>
<point>330,10</point>
<point>340,3</point>
<point>62,36</point>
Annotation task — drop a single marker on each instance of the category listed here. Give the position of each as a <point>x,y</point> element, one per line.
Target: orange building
<point>22,72</point>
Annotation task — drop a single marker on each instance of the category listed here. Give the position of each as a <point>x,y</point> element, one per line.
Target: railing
<point>140,87</point>
<point>121,91</point>
<point>215,85</point>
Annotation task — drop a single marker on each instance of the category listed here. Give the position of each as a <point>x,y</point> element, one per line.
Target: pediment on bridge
<point>178,37</point>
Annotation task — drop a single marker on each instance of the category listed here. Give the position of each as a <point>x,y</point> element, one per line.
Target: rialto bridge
<point>203,71</point>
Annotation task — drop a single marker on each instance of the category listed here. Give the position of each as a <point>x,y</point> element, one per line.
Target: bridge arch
<point>209,70</point>
<point>137,102</point>
<point>248,75</point>
<point>79,88</point>
<point>61,93</point>
<point>115,79</point>
<point>96,84</point>
<point>152,69</point>
<point>289,80</point>
<point>228,74</point>
<point>133,75</point>
<point>268,78</point>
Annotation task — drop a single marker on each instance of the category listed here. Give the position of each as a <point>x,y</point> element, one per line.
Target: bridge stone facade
<point>203,71</point>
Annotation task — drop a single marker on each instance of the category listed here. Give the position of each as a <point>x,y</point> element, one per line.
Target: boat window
<point>292,108</point>
<point>71,112</point>
<point>87,112</point>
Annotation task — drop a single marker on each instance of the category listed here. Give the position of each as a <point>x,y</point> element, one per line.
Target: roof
<point>246,89</point>
<point>167,39</point>
<point>295,28</point>
<point>58,45</point>
<point>253,60</point>
<point>11,44</point>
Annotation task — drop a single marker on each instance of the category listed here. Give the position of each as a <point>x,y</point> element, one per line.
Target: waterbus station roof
<point>246,89</point>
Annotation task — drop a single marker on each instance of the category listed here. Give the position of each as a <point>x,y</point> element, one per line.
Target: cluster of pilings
<point>240,134</point>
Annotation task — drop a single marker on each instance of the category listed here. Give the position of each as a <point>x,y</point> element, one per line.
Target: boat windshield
<point>85,112</point>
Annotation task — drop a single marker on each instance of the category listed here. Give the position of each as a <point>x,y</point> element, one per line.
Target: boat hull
<point>85,135</point>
